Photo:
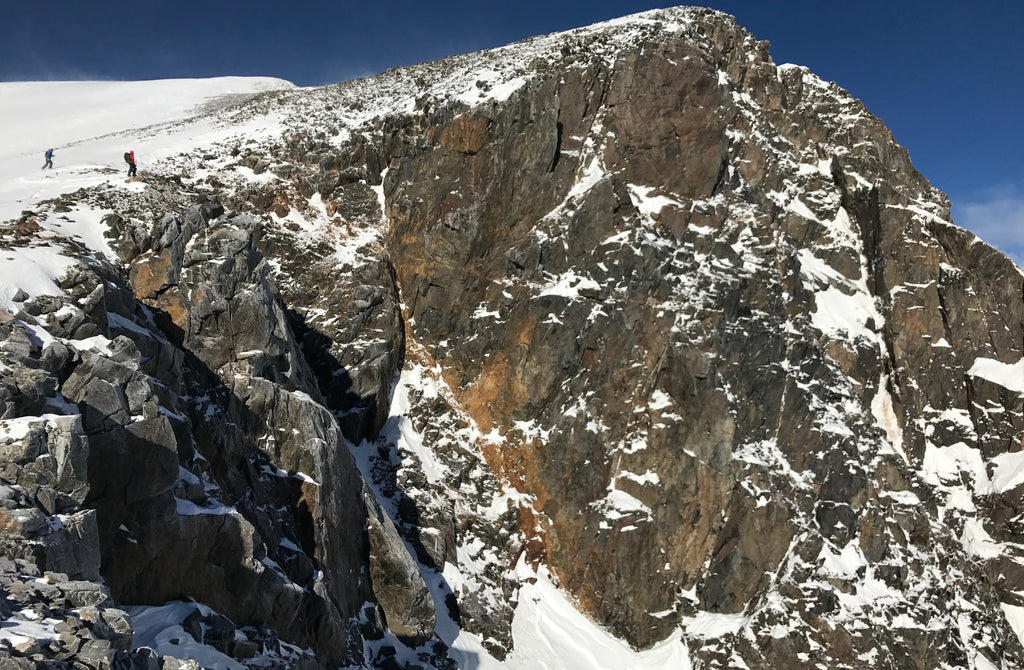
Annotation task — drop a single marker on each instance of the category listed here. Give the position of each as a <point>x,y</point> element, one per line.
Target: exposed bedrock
<point>632,269</point>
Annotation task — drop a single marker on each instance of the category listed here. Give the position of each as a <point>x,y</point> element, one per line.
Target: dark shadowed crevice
<point>558,147</point>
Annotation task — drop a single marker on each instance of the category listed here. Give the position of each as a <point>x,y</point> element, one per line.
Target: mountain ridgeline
<point>629,307</point>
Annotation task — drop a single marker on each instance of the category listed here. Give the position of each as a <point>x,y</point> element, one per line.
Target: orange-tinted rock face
<point>578,357</point>
<point>639,271</point>
<point>150,275</point>
<point>467,134</point>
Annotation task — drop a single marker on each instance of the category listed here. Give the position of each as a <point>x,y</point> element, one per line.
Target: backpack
<point>127,158</point>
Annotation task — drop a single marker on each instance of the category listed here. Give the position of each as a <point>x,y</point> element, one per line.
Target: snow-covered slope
<point>91,124</point>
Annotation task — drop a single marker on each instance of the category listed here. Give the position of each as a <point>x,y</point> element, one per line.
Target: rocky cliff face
<point>197,459</point>
<point>629,304</point>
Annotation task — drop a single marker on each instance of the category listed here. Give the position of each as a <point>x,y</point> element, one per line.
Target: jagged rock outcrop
<point>711,308</point>
<point>631,302</point>
<point>343,306</point>
<point>233,321</point>
<point>197,460</point>
<point>49,538</point>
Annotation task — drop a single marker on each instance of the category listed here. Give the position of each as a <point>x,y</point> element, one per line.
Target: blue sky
<point>946,77</point>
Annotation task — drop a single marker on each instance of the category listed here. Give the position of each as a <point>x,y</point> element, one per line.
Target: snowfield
<point>91,124</point>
